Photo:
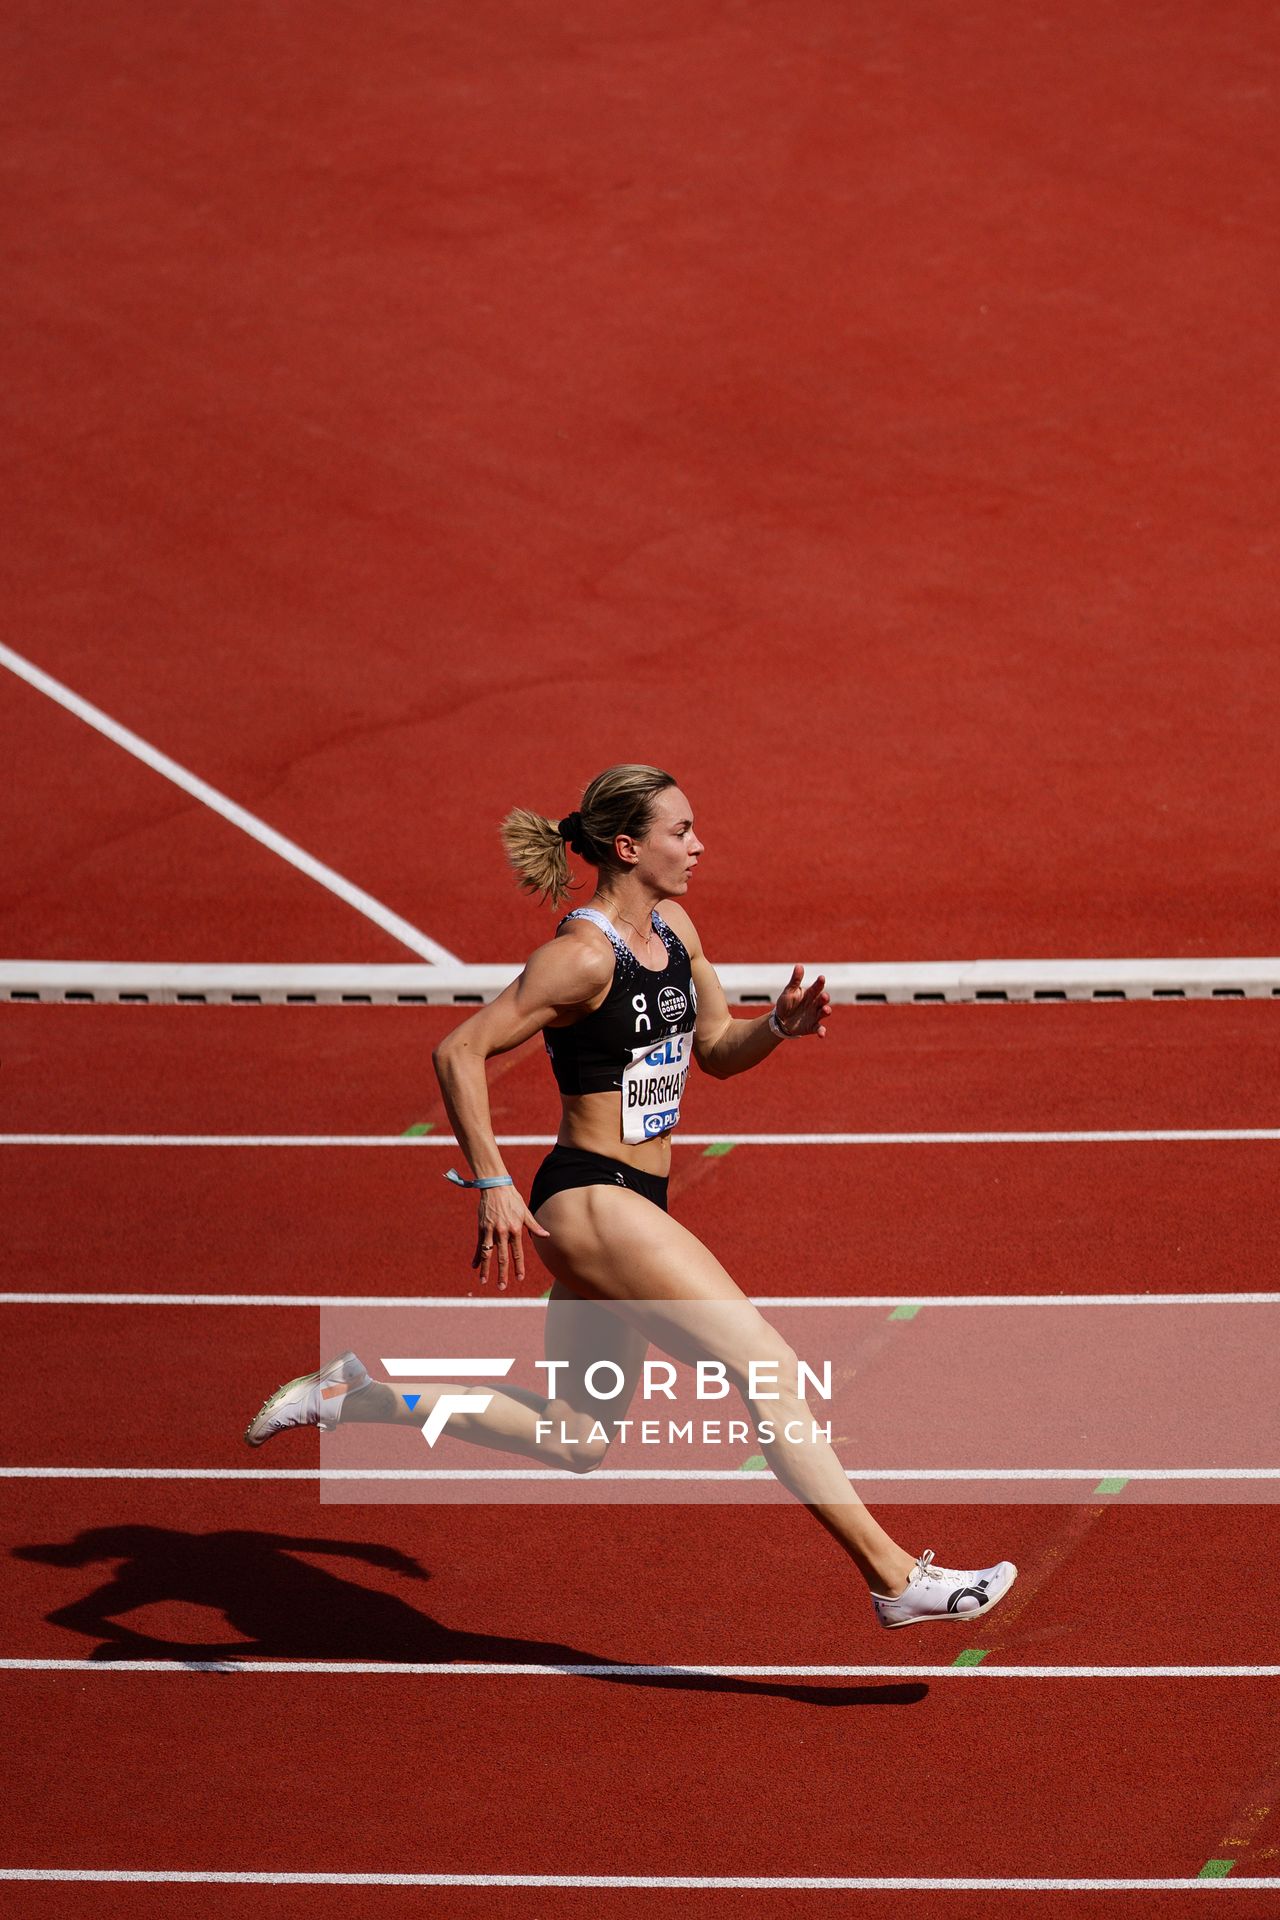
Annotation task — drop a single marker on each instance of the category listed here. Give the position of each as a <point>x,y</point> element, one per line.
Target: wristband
<point>499,1180</point>
<point>776,1026</point>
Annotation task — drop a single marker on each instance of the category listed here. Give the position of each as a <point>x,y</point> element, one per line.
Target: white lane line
<point>910,1475</point>
<point>364,903</point>
<point>594,1670</point>
<point>406,1300</point>
<point>416,1141</point>
<point>608,1882</point>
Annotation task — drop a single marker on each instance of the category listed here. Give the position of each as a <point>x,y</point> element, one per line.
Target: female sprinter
<point>622,977</point>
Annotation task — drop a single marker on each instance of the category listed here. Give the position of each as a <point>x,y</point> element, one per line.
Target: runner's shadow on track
<point>283,1608</point>
<point>905,1693</point>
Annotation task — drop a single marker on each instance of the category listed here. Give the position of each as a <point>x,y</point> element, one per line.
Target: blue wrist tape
<point>499,1180</point>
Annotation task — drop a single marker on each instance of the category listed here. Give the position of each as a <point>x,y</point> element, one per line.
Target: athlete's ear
<point>627,849</point>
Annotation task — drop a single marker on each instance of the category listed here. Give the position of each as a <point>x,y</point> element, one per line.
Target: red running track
<point>1190,1216</point>
<point>917,1068</point>
<point>880,1069</point>
<point>371,392</point>
<point>299,1903</point>
<point>784,1220</point>
<point>865,412</point>
<point>530,1775</point>
<point>1105,1391</point>
<point>199,1569</point>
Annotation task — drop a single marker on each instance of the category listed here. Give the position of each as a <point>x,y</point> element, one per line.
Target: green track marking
<point>718,1149</point>
<point>971,1657</point>
<point>756,1464</point>
<point>907,1312</point>
<point>546,1295</point>
<point>1215,1869</point>
<point>1115,1484</point>
<point>419,1127</point>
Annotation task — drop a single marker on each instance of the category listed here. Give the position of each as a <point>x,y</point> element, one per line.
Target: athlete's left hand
<point>802,1010</point>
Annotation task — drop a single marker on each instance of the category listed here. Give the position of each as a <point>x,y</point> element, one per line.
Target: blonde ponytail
<point>537,853</point>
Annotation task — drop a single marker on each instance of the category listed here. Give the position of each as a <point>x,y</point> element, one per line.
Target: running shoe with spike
<point>312,1400</point>
<point>939,1593</point>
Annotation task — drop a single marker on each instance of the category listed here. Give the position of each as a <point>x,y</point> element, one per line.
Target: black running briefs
<point>566,1167</point>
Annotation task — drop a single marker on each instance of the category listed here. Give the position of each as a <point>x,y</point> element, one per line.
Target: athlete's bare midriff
<point>593,1122</point>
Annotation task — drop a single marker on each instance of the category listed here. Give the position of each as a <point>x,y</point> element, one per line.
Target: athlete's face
<point>669,851</point>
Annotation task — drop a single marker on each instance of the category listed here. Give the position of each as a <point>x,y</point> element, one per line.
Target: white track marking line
<point>608,1882</point>
<point>588,1670</point>
<point>915,1476</point>
<point>364,903</point>
<point>405,1300</point>
<point>616,1669</point>
<point>415,1141</point>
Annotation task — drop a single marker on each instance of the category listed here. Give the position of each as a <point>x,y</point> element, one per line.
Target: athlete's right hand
<point>503,1219</point>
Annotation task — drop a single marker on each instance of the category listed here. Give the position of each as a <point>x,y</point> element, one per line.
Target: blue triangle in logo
<point>411,1400</point>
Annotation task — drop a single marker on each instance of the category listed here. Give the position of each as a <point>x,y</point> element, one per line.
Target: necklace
<point>646,937</point>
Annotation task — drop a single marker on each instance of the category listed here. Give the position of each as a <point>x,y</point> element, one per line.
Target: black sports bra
<point>641,1009</point>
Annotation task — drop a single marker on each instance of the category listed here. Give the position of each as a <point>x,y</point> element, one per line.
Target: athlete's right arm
<point>562,978</point>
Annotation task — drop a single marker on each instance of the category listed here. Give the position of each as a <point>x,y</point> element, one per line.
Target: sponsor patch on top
<point>672,1004</point>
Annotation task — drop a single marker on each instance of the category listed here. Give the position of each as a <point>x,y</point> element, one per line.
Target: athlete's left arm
<point>723,1045</point>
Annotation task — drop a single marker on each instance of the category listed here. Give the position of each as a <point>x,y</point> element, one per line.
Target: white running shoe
<point>312,1400</point>
<point>938,1593</point>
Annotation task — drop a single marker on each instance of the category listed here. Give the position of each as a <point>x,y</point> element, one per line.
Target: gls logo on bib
<point>672,1005</point>
<point>652,1085</point>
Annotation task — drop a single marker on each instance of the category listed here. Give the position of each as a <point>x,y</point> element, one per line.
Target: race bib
<point>652,1085</point>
